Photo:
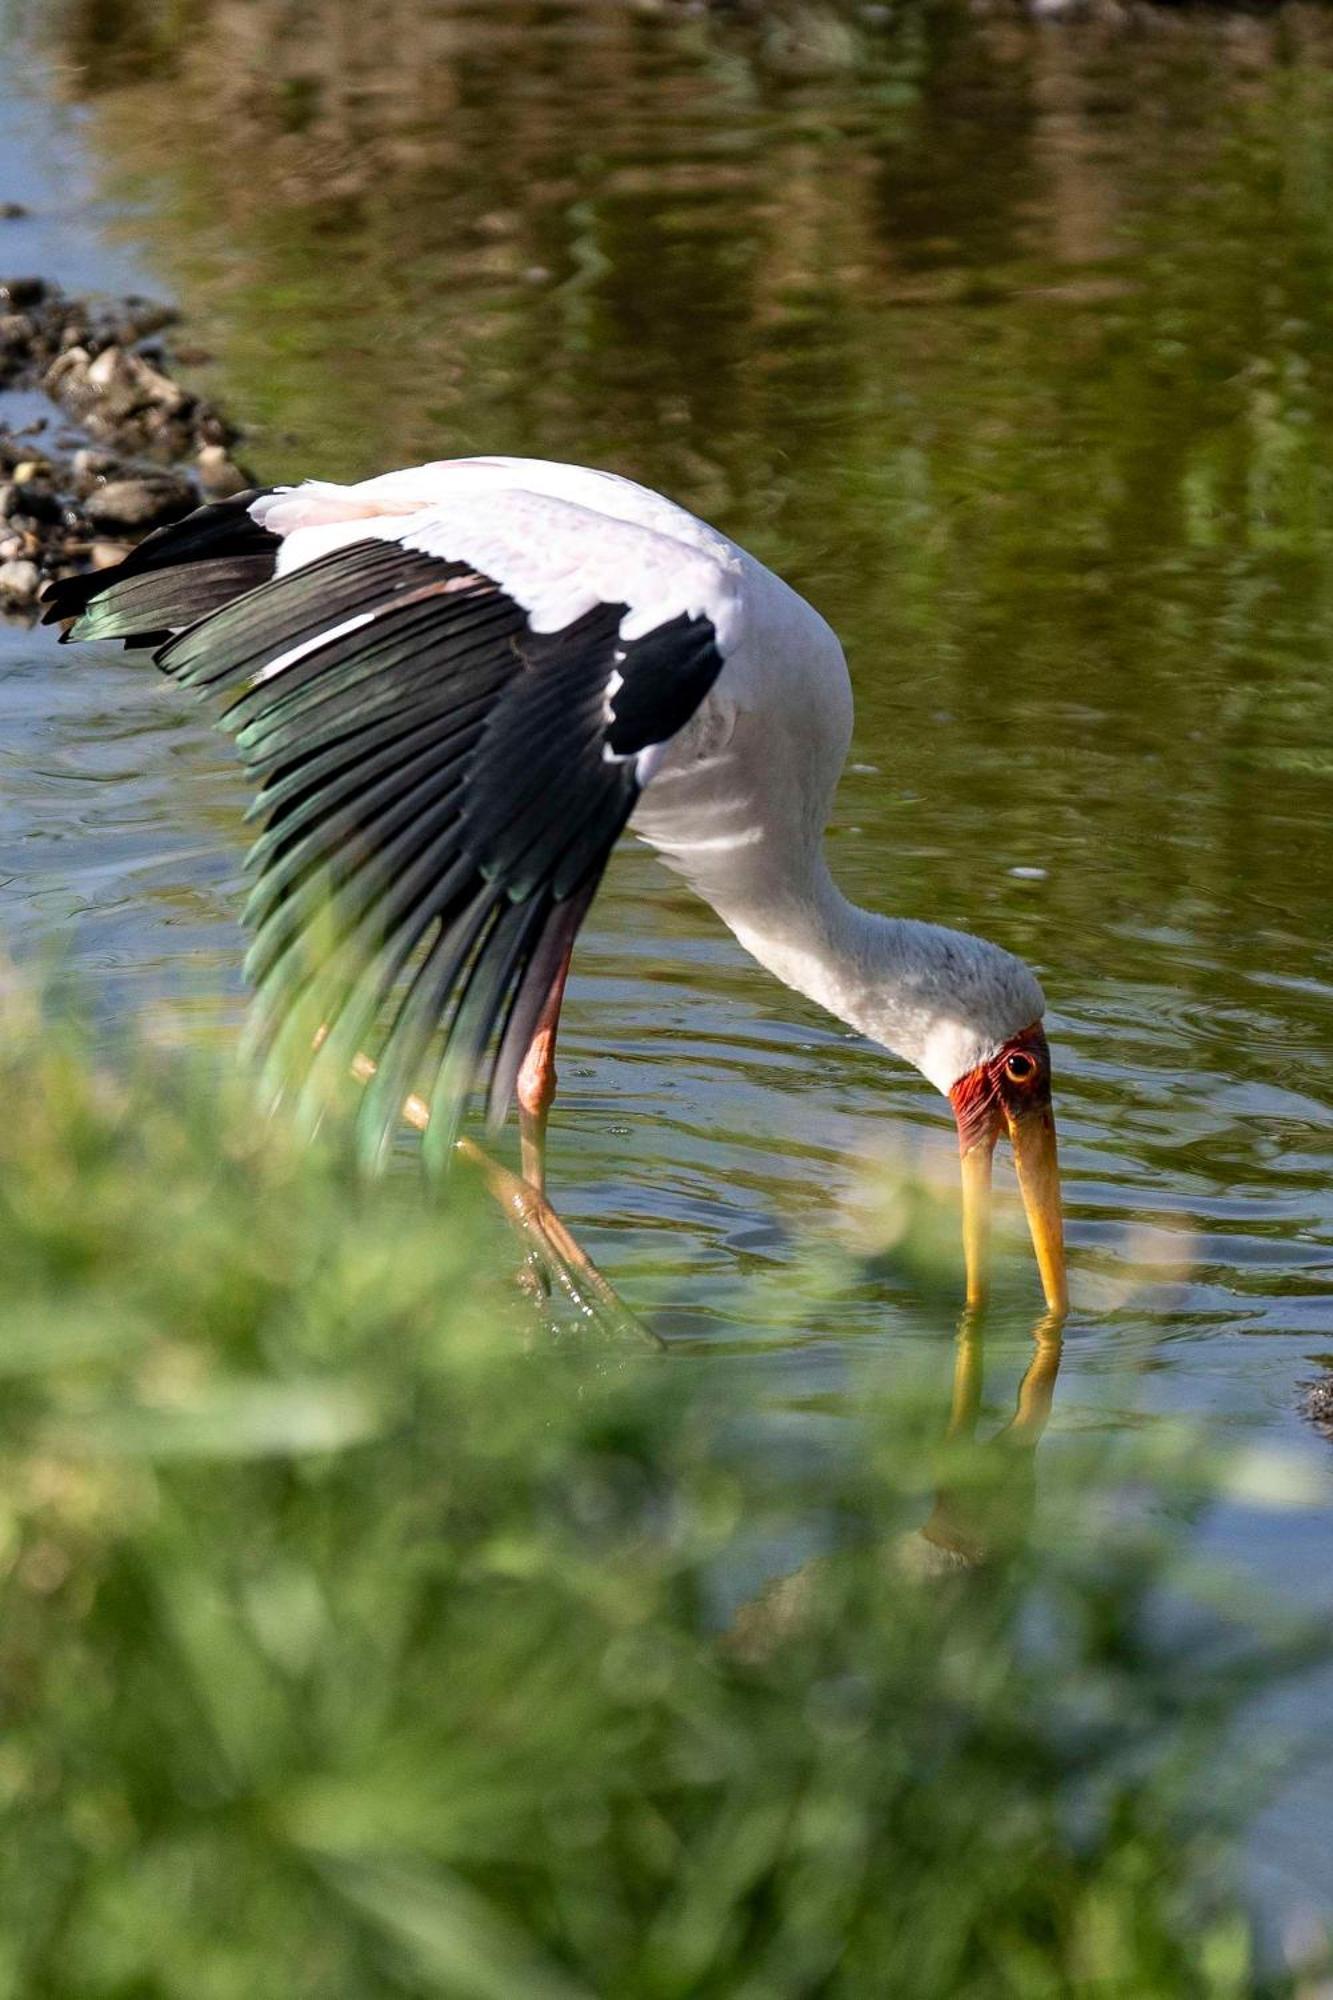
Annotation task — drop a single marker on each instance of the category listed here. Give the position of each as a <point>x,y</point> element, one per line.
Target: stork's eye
<point>1020,1068</point>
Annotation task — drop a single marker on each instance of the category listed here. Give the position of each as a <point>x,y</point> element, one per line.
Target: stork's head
<point>1010,1091</point>
<point>983,1045</point>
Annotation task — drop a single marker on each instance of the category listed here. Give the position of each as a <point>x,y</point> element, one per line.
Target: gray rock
<point>88,464</point>
<point>145,501</point>
<point>37,500</point>
<point>167,435</point>
<point>126,383</point>
<point>68,373</point>
<point>19,582</point>
<point>15,293</point>
<point>110,376</point>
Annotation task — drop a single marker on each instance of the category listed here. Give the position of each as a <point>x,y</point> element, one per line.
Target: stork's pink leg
<point>551,1247</point>
<point>535,1089</point>
<point>552,1250</point>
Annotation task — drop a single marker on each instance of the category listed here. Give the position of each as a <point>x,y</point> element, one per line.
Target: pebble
<point>89,466</point>
<point>20,582</point>
<point>143,502</point>
<point>36,498</point>
<point>12,211</point>
<point>1028,874</point>
<point>127,383</point>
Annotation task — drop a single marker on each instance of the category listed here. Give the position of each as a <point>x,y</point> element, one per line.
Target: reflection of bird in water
<point>455,686</point>
<point>965,1529</point>
<point>979,1517</point>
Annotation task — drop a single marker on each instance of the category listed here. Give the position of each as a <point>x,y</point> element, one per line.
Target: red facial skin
<point>1015,1081</point>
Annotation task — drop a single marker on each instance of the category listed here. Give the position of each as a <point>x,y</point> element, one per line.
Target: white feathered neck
<point>943,1000</point>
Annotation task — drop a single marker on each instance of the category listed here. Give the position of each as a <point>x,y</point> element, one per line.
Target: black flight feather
<point>175,576</point>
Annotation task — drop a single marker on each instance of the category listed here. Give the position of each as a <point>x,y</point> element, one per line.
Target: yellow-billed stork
<point>455,686</point>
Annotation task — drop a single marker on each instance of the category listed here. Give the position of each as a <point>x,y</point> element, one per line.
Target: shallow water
<point>1012,346</point>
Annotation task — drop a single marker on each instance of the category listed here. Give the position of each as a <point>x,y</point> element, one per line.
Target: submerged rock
<point>1319,1404</point>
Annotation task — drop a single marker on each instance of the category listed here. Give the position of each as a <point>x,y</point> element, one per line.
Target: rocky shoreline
<point>125,449</point>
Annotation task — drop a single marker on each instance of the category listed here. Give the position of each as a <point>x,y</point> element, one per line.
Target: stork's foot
<point>553,1257</point>
<point>552,1249</point>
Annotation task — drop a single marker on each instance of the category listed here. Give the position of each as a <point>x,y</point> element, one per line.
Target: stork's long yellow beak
<point>1032,1134</point>
<point>977,1162</point>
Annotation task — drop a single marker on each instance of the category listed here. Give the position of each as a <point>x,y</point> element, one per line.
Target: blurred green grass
<point>358,1639</point>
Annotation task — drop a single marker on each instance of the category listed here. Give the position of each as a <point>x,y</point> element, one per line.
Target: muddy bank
<point>125,448</point>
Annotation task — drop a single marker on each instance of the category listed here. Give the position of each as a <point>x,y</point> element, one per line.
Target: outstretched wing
<point>449,720</point>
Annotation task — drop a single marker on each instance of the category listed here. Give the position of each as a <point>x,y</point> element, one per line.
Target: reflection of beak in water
<point>972,1523</point>
<point>967,1527</point>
